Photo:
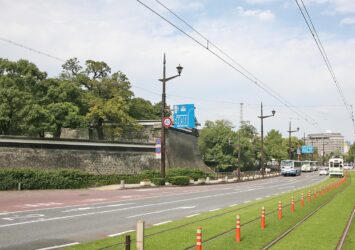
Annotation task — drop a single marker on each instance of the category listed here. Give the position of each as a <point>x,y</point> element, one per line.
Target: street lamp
<point>163,109</point>
<point>289,137</point>
<point>262,138</point>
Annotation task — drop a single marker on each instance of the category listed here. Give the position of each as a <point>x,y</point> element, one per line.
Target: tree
<point>274,148</point>
<point>350,157</point>
<point>107,95</point>
<point>249,146</point>
<point>142,109</point>
<point>216,143</point>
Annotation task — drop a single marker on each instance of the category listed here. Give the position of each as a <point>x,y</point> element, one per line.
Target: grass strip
<point>324,229</point>
<point>214,223</point>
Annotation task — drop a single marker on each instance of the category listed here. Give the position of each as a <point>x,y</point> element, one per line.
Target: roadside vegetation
<point>71,179</point>
<point>218,228</point>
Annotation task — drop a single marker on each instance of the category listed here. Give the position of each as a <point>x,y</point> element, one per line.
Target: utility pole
<point>289,138</point>
<point>241,113</point>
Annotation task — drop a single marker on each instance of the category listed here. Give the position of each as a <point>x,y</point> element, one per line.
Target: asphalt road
<point>44,219</point>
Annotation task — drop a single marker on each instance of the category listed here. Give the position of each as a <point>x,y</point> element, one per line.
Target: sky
<point>268,38</point>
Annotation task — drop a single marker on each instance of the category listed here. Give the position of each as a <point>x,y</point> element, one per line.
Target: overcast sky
<point>269,38</point>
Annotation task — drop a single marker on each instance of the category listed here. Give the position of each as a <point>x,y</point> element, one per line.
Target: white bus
<point>336,167</point>
<point>291,167</point>
<point>306,166</point>
<point>314,165</point>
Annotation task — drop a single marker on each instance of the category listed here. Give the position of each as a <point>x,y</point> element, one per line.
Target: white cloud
<point>131,39</point>
<point>348,21</point>
<point>263,15</point>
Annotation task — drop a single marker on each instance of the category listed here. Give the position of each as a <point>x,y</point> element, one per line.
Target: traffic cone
<point>315,194</point>
<point>199,239</point>
<point>302,200</point>
<point>280,210</point>
<point>292,205</point>
<point>309,196</point>
<point>237,229</point>
<point>263,223</point>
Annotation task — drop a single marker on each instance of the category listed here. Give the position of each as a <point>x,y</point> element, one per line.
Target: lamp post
<point>262,117</point>
<point>163,109</point>
<point>289,138</point>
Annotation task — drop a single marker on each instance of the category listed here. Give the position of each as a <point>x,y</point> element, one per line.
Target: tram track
<point>346,231</point>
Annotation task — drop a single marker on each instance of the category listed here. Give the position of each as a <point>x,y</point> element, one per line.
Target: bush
<point>159,181</point>
<point>180,180</point>
<point>192,173</point>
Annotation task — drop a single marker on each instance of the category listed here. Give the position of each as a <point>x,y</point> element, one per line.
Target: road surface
<point>42,219</point>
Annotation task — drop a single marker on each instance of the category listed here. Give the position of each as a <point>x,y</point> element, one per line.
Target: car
<point>323,171</point>
<point>348,166</point>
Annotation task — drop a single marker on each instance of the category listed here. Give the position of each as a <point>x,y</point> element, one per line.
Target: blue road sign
<point>306,149</point>
<point>184,116</point>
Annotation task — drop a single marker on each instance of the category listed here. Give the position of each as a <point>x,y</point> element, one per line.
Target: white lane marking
<point>246,201</point>
<point>41,204</point>
<point>95,200</point>
<point>159,211</point>
<point>60,246</point>
<point>117,234</point>
<point>267,196</point>
<point>259,198</point>
<point>216,209</point>
<point>162,223</point>
<point>93,207</point>
<point>233,205</point>
<point>192,215</point>
<point>16,217</point>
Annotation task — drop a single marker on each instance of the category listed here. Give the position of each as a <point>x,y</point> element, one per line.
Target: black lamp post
<point>262,117</point>
<point>289,138</point>
<point>163,109</point>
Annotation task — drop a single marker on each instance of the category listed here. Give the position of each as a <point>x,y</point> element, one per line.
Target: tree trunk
<point>57,133</point>
<point>100,129</point>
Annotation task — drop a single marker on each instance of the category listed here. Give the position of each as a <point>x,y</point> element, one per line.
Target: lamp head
<point>273,112</point>
<point>298,129</point>
<point>179,69</point>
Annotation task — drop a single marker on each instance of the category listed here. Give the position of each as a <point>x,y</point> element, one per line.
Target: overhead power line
<point>307,18</point>
<point>207,44</point>
<point>31,49</point>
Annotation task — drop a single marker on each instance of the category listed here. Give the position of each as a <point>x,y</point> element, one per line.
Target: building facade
<point>326,143</point>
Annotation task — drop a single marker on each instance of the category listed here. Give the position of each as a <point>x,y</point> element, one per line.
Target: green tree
<point>142,109</point>
<point>216,143</point>
<point>249,145</point>
<point>274,148</point>
<point>350,156</point>
<point>108,96</point>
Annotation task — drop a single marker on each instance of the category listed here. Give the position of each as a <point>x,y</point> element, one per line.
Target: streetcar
<point>336,167</point>
<point>291,167</point>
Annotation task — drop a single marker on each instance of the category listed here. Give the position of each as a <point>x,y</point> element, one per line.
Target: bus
<point>306,166</point>
<point>314,165</point>
<point>336,167</point>
<point>291,167</point>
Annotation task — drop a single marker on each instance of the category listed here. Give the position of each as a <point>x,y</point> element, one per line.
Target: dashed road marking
<point>162,223</point>
<point>233,205</point>
<point>192,215</point>
<point>216,209</point>
<point>117,234</point>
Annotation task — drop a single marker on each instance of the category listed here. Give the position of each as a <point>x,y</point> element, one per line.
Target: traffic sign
<point>167,122</point>
<point>306,149</point>
<point>184,116</point>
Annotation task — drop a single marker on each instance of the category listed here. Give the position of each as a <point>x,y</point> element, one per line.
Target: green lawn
<point>181,234</point>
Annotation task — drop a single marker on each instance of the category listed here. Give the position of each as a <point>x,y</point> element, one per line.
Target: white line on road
<point>216,209</point>
<point>60,246</point>
<point>160,211</point>
<point>93,207</point>
<point>246,201</point>
<point>162,223</point>
<point>117,234</point>
<point>259,198</point>
<point>192,215</point>
<point>233,205</point>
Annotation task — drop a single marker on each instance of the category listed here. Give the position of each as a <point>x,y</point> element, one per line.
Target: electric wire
<point>31,49</point>
<point>307,18</point>
<point>246,74</point>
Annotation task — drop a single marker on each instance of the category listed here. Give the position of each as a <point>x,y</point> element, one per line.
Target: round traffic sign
<point>167,122</point>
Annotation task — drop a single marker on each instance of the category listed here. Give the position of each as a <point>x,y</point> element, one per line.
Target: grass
<point>350,239</point>
<point>181,234</point>
<point>324,229</point>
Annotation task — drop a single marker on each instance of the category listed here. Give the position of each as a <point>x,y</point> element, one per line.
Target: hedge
<point>180,180</point>
<point>31,178</point>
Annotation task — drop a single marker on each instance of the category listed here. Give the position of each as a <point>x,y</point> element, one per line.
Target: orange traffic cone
<point>280,210</point>
<point>237,229</point>
<point>309,196</point>
<point>263,223</point>
<point>292,205</point>
<point>199,239</point>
